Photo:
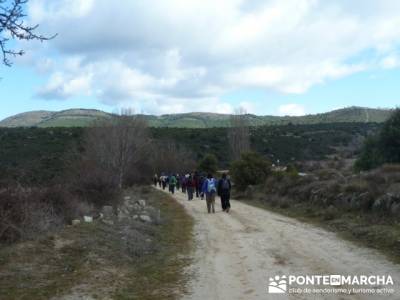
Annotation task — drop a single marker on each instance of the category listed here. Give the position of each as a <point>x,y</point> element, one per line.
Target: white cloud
<point>390,62</point>
<point>176,54</point>
<point>291,109</point>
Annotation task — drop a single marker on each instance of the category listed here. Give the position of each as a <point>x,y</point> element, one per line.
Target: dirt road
<point>236,254</point>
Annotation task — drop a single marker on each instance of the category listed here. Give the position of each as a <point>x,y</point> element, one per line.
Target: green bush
<point>383,148</point>
<point>292,171</point>
<point>390,138</point>
<point>209,164</point>
<point>250,169</point>
<point>370,156</point>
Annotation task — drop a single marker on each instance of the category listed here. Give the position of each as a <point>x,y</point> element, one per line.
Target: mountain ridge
<point>78,117</point>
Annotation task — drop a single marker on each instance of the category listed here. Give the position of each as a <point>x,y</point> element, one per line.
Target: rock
<point>88,219</point>
<point>108,222</point>
<point>154,213</point>
<point>145,218</point>
<point>355,202</point>
<point>141,202</point>
<point>127,198</point>
<point>123,217</point>
<point>394,190</point>
<point>107,211</point>
<point>395,209</point>
<point>76,222</point>
<point>377,205</point>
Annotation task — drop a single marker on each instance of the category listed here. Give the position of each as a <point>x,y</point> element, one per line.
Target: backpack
<point>225,185</point>
<point>211,186</point>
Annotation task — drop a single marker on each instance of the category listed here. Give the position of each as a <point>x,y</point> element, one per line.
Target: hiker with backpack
<point>201,182</point>
<point>197,186</point>
<point>209,188</point>
<point>224,191</point>
<point>190,186</point>
<point>183,184</point>
<point>178,182</point>
<point>164,182</point>
<point>172,183</point>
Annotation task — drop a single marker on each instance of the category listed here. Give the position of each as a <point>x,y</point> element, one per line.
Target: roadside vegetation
<point>361,206</point>
<point>382,147</point>
<point>127,260</point>
<point>72,224</point>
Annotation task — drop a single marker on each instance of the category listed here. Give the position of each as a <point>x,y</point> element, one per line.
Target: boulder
<point>88,219</point>
<point>395,209</point>
<point>127,198</point>
<point>394,190</point>
<point>107,211</point>
<point>377,205</point>
<point>145,218</point>
<point>154,213</point>
<point>76,222</point>
<point>142,202</point>
<point>108,222</point>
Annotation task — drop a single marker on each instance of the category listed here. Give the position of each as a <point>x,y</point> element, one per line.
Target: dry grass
<point>128,261</point>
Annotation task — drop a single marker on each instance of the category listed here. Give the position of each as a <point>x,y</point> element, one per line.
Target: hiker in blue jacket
<point>209,188</point>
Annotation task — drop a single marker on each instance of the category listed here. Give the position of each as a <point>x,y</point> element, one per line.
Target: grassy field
<point>92,260</point>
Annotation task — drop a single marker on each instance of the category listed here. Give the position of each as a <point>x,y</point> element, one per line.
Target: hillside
<point>83,117</point>
<point>35,155</point>
<point>65,118</point>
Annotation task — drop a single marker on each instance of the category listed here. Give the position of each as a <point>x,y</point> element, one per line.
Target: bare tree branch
<point>12,26</point>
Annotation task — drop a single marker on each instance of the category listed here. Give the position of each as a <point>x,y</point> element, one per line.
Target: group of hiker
<point>199,185</point>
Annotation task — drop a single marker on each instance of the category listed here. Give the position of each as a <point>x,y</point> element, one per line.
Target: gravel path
<point>236,254</point>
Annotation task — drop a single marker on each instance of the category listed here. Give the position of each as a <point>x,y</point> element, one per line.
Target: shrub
<point>390,138</point>
<point>292,171</point>
<point>384,148</point>
<point>371,156</point>
<point>251,169</point>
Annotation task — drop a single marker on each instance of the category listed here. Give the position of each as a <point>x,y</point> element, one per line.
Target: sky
<point>279,57</point>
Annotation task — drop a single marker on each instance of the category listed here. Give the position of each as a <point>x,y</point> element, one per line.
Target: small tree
<point>167,156</point>
<point>390,138</point>
<point>209,164</point>
<point>250,169</point>
<point>116,154</point>
<point>239,134</point>
<point>370,156</point>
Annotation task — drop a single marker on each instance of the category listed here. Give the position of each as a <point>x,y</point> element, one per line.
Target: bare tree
<point>167,156</point>
<point>13,26</point>
<point>118,145</point>
<point>239,133</point>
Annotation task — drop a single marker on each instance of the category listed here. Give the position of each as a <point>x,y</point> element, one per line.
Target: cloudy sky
<point>282,57</point>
